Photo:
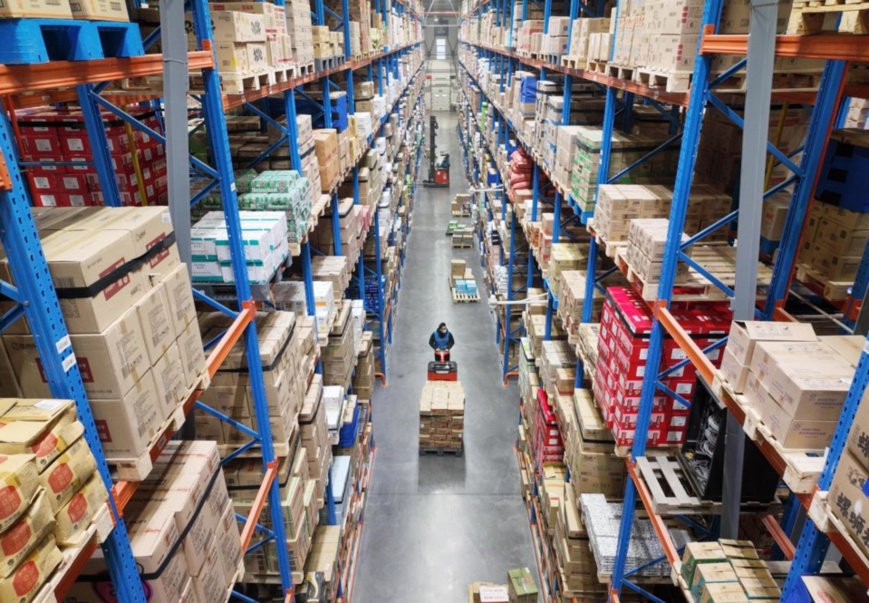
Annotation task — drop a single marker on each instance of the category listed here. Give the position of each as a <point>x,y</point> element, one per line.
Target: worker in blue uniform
<point>442,342</point>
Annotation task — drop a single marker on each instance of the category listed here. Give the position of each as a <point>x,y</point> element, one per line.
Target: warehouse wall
<point>452,35</point>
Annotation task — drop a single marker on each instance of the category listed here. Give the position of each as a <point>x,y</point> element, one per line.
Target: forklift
<point>438,166</point>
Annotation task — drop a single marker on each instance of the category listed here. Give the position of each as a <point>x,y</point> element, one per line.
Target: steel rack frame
<point>837,50</point>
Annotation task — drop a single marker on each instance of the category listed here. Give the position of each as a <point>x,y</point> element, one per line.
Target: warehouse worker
<point>442,341</point>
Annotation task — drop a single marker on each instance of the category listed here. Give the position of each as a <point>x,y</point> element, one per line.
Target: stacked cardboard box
<point>278,43</point>
<point>52,136</point>
<point>50,498</point>
<point>323,558</point>
<point>727,570</point>
<point>489,592</point>
<point>326,146</point>
<point>265,239</point>
<point>334,269</point>
<point>547,443</point>
<point>363,378</point>
<point>795,382</point>
<point>580,38</point>
<point>240,46</point>
<point>626,149</point>
<point>282,190</point>
<point>571,299</point>
<point>442,416</point>
<point>300,29</point>
<point>183,531</point>
<point>647,238</point>
<point>573,553</point>
<point>315,437</point>
<point>557,367</point>
<point>351,220</point>
<point>230,391</point>
<point>521,586</point>
<point>834,241</point>
<point>340,353</point>
<point>847,500</point>
<point>625,328</point>
<point>131,323</point>
<point>588,446</point>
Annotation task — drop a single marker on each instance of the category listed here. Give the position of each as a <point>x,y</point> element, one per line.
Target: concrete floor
<point>435,524</point>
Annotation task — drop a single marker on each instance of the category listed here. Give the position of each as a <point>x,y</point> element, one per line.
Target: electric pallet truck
<point>438,167</point>
<point>442,368</point>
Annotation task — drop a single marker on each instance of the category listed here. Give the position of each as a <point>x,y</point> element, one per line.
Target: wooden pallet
<point>673,82</point>
<point>573,62</point>
<point>596,66</point>
<point>671,489</point>
<point>621,72</point>
<point>233,83</point>
<point>808,17</point>
<point>464,298</point>
<point>304,69</point>
<point>442,451</point>
<point>834,291</point>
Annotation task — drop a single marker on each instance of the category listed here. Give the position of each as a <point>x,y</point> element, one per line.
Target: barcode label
<point>62,344</point>
<point>52,2</point>
<point>68,363</point>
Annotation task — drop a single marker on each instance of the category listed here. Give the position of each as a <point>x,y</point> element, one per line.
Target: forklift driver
<point>441,341</point>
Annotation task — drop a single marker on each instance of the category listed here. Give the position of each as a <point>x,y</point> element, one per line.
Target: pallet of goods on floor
<point>124,323</point>
<point>613,166</point>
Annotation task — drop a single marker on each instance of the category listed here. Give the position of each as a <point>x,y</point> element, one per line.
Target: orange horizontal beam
<point>841,47</point>
<point>233,334</point>
<point>778,535</point>
<point>64,74</point>
<point>661,530</point>
<point>75,568</point>
<point>854,559</point>
<point>258,504</point>
<point>700,361</point>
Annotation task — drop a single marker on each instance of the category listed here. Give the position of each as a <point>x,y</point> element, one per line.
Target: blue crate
<point>347,435</point>
<point>28,41</point>
<point>844,177</point>
<point>339,111</point>
<point>768,247</point>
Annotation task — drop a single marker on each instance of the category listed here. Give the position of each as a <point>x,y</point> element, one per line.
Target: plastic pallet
<point>42,40</point>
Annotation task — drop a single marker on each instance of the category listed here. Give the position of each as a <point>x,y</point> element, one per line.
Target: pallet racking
<point>838,51</point>
<point>83,76</point>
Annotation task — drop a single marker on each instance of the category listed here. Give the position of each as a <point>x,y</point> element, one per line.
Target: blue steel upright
<point>212,104</point>
<point>684,174</point>
<point>35,290</point>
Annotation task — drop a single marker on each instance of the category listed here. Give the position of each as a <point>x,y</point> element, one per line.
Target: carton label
<point>103,430</point>
<point>78,508</point>
<point>113,289</point>
<point>162,255</point>
<point>84,368</point>
<point>61,477</point>
<point>15,539</point>
<point>10,501</point>
<point>26,578</point>
<point>68,363</point>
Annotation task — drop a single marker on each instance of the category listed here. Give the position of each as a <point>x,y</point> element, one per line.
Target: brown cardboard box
<point>849,347</point>
<point>192,353</point>
<point>232,57</point>
<point>67,474</point>
<point>858,436</point>
<point>233,26</point>
<point>76,515</point>
<point>19,480</point>
<point>153,535</point>
<point>847,500</point>
<point>795,433</point>
<point>711,573</point>
<point>128,424</point>
<point>177,289</point>
<point>211,584</point>
<point>733,372</point>
<point>25,581</point>
<point>744,334</point>
<point>725,592</point>
<point>36,9</point>
<point>99,10</point>
<point>46,438</point>
<point>170,381</point>
<point>697,553</point>
<point>19,540</point>
<point>835,589</point>
<point>112,362</point>
<point>813,387</point>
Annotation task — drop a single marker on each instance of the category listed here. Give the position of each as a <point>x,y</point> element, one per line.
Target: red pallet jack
<point>442,368</point>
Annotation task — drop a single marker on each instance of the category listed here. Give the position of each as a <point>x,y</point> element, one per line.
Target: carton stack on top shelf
<point>847,501</point>
<point>726,570</point>
<point>571,297</point>
<point>135,338</point>
<point>300,29</point>
<point>340,353</point>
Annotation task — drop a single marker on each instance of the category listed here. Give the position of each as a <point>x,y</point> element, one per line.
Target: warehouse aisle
<point>435,524</point>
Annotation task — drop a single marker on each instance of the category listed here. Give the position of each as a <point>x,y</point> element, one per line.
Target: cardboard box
<point>795,433</point>
<point>67,474</point>
<point>192,353</point>
<point>179,296</point>
<point>233,26</point>
<point>835,589</point>
<point>858,436</point>
<point>24,582</point>
<point>18,541</point>
<point>711,573</point>
<point>46,439</point>
<point>232,57</point>
<point>521,585</point>
<point>170,381</point>
<point>153,535</point>
<point>725,592</point>
<point>99,10</point>
<point>19,481</point>
<point>847,499</point>
<point>76,515</point>
<point>128,424</point>
<point>697,553</point>
<point>36,9</point>
<point>112,362</point>
<point>733,372</point>
<point>211,584</point>
<point>744,334</point>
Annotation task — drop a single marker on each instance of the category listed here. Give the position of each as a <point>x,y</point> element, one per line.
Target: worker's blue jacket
<point>441,342</point>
